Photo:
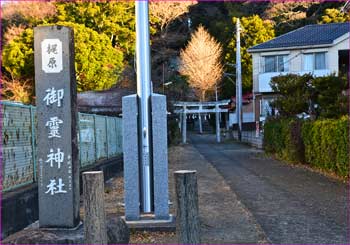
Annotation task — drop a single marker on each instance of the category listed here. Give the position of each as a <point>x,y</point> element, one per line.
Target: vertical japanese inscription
<point>51,51</point>
<point>57,129</point>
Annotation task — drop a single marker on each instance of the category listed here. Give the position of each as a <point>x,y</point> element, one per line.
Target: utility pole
<point>238,80</point>
<point>163,80</point>
<point>143,66</point>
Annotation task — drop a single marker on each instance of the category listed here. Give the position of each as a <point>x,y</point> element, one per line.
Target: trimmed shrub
<point>323,144</point>
<point>327,144</point>
<point>273,136</point>
<point>283,138</point>
<point>294,147</point>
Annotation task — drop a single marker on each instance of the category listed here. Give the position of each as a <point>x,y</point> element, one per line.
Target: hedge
<point>323,143</point>
<point>283,138</point>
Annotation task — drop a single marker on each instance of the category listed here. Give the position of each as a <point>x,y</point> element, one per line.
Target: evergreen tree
<point>329,95</point>
<point>334,16</point>
<point>114,19</point>
<point>294,94</point>
<point>97,63</point>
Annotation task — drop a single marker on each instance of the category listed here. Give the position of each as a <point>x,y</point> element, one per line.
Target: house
<point>316,49</point>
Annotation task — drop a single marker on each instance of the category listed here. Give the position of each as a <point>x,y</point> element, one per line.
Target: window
<point>276,63</point>
<point>265,107</point>
<point>320,61</point>
<point>315,61</point>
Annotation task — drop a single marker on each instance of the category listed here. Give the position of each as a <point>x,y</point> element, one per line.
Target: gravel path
<point>224,219</point>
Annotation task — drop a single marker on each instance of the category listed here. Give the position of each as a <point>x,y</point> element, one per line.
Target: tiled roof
<point>309,35</point>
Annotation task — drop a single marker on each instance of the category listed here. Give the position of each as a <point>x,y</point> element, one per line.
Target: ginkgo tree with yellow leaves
<point>201,62</point>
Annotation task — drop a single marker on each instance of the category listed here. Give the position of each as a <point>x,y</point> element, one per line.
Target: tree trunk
<point>203,96</point>
<point>95,220</point>
<point>187,220</point>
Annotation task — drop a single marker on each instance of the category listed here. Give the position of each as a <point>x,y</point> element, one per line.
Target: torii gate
<point>199,108</point>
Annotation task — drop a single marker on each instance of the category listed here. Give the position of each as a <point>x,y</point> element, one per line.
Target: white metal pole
<point>143,65</point>
<point>163,80</point>
<point>238,80</point>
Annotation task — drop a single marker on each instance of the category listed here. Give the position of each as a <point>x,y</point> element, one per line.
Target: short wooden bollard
<point>187,220</point>
<point>95,219</point>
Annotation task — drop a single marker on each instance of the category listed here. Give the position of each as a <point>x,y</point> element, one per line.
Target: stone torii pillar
<point>184,125</point>
<point>217,122</point>
<point>200,120</point>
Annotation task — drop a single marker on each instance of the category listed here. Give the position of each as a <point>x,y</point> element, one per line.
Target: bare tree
<point>20,11</point>
<point>13,32</point>
<point>168,11</point>
<point>200,62</point>
<point>16,90</point>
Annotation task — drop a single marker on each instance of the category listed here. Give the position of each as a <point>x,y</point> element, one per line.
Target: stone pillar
<point>184,126</point>
<point>58,182</point>
<point>159,153</point>
<point>160,156</point>
<point>131,158</point>
<point>217,122</point>
<point>200,121</point>
<point>180,121</point>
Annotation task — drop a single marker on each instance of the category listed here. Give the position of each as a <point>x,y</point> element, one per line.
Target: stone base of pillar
<point>151,223</point>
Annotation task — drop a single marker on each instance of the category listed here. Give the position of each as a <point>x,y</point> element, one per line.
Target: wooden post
<point>187,220</point>
<point>94,208</point>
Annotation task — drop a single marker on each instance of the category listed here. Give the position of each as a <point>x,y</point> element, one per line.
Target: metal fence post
<point>116,136</point>
<point>79,139</point>
<point>106,126</point>
<point>95,137</point>
<point>32,122</point>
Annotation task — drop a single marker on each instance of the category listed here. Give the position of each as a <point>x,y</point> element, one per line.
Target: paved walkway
<point>223,218</point>
<point>291,204</point>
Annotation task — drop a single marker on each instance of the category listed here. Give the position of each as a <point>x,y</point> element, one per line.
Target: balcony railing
<point>265,78</point>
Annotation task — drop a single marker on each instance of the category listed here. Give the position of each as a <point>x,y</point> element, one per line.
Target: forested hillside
<point>105,39</point>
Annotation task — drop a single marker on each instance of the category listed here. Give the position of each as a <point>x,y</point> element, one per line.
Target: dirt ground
<point>223,218</point>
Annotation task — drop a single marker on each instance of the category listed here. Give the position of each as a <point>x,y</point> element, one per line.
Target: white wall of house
<point>248,117</point>
<point>295,63</point>
<point>343,44</point>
